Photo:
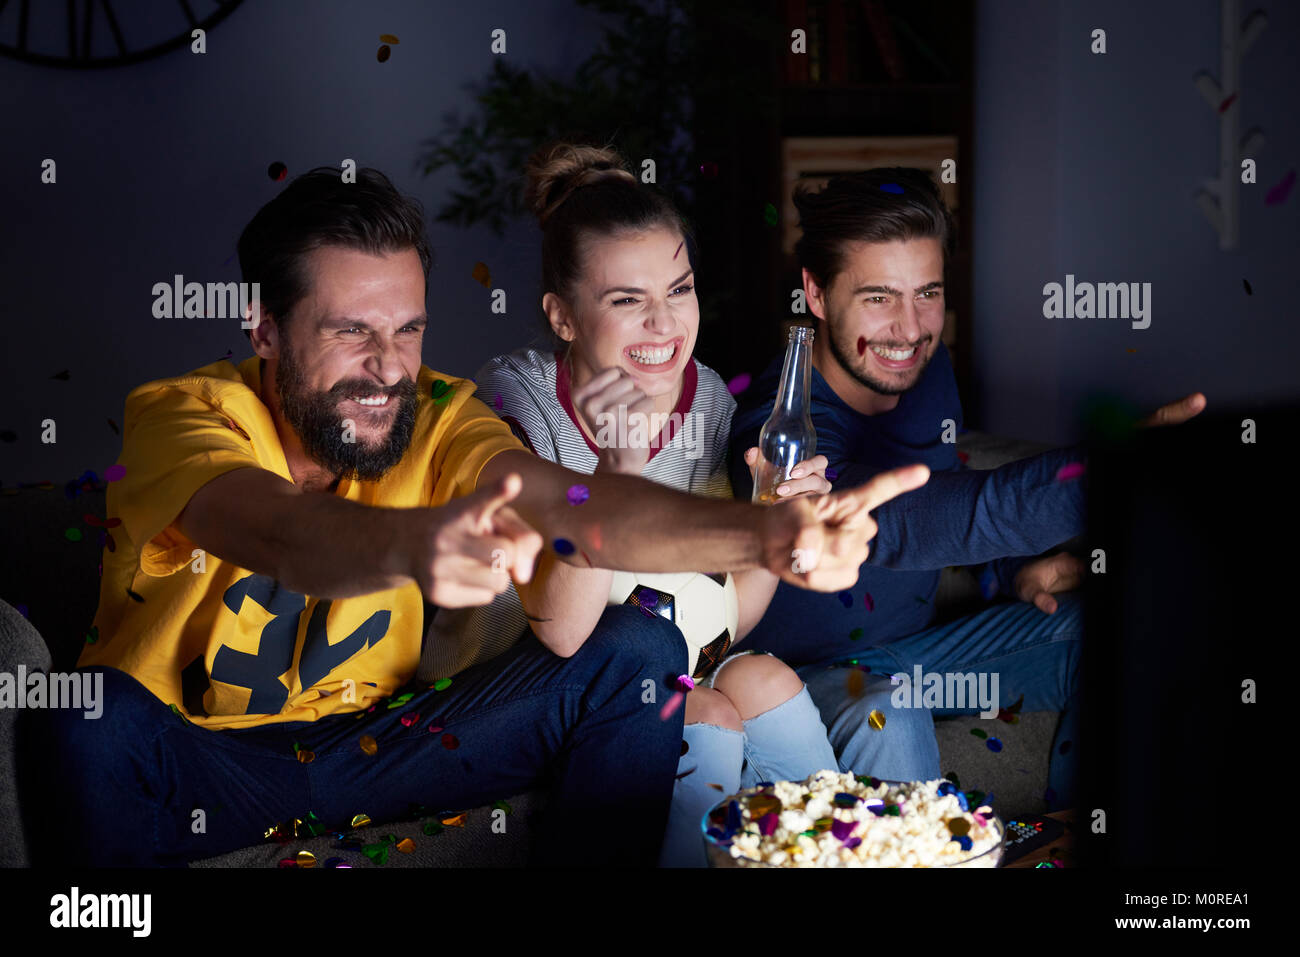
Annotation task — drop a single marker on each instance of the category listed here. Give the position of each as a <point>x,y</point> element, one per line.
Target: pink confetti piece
<point>1071,471</point>
<point>1278,194</point>
<point>739,384</point>
<point>1227,103</point>
<point>671,705</point>
<point>869,601</point>
<point>114,472</point>
<point>410,719</point>
<point>685,683</point>
<point>679,248</point>
<point>767,824</point>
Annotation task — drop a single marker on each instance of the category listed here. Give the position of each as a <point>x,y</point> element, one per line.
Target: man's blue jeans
<point>126,784</point>
<point>1033,653</point>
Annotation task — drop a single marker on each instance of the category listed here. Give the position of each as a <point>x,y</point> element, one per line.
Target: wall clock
<point>88,34</point>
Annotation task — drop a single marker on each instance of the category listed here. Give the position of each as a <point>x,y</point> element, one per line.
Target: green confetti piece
<point>177,711</point>
<point>442,684</point>
<point>441,391</point>
<point>978,733</point>
<point>400,700</point>
<point>92,636</point>
<point>296,747</point>
<point>769,214</point>
<point>432,827</point>
<point>502,805</point>
<point>855,634</point>
<point>72,534</point>
<point>378,853</point>
<point>923,601</point>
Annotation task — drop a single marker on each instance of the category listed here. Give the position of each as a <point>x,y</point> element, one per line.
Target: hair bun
<point>557,169</point>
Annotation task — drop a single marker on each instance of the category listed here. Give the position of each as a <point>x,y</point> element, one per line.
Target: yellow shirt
<point>232,648</point>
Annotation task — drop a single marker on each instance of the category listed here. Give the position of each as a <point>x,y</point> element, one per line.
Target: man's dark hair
<point>853,207</point>
<point>319,209</point>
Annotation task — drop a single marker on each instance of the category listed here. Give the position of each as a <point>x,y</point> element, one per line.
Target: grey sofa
<point>56,581</point>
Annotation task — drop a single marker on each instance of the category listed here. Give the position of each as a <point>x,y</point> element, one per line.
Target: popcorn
<point>819,825</point>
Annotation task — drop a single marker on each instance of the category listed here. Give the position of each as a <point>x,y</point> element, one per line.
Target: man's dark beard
<point>876,385</point>
<point>315,417</point>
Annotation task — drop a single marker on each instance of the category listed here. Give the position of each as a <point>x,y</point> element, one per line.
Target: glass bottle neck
<point>796,372</point>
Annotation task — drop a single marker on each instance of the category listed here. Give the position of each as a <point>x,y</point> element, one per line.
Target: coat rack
<point>1218,198</point>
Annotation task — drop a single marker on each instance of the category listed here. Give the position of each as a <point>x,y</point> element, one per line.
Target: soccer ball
<point>704,607</point>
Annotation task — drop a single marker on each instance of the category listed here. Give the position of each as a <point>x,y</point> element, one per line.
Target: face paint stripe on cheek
<point>862,345</point>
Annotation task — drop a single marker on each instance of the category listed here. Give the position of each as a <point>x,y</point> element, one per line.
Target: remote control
<point>1024,837</point>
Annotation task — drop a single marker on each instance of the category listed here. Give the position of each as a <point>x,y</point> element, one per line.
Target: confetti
<point>1130,351</point>
<point>378,853</point>
<point>993,744</point>
<point>685,683</point>
<point>671,705</point>
<point>978,733</point>
<point>400,700</point>
<point>716,786</point>
<point>306,859</point>
<point>854,684</point>
<point>832,475</point>
<point>450,742</point>
<point>846,599</point>
<point>383,53</point>
<point>1227,103</point>
<point>963,841</point>
<point>496,402</point>
<point>869,601</point>
<point>679,248</point>
<point>406,846</point>
<point>856,633</point>
<point>1249,291</point>
<point>895,679</point>
<point>1281,191</point>
<point>441,391</point>
<point>336,862</point>
<point>306,757</point>
<point>769,214</point>
<point>435,728</point>
<point>455,820</point>
<point>92,636</point>
<point>923,601</point>
<point>442,684</point>
<point>360,820</point>
<point>1071,471</point>
<point>686,774</point>
<point>563,546</point>
<point>958,826</point>
<point>410,718</point>
<point>877,720</point>
<point>739,384</point>
<point>369,745</point>
<point>62,376</point>
<point>503,806</point>
<point>388,38</point>
<point>114,473</point>
<point>891,188</point>
<point>432,827</point>
<point>963,458</point>
<point>482,275</point>
<point>578,494</point>
<point>288,862</point>
<point>134,597</point>
<point>72,534</point>
<point>277,171</point>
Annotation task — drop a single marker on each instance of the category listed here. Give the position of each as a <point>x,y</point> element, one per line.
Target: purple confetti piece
<point>496,402</point>
<point>739,384</point>
<point>846,599</point>
<point>869,601</point>
<point>578,494</point>
<point>685,683</point>
<point>853,842</point>
<point>842,829</point>
<point>891,188</point>
<point>114,472</point>
<point>832,475</point>
<point>767,824</point>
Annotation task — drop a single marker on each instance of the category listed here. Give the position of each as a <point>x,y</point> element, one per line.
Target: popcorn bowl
<point>719,853</point>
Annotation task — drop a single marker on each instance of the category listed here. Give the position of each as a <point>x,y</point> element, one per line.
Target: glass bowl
<point>719,855</point>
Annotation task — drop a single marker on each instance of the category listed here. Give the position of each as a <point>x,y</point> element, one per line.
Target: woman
<point>618,292</point>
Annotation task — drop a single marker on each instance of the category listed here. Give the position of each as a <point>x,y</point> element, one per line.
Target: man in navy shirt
<point>884,395</point>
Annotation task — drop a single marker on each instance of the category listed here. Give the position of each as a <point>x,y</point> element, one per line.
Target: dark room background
<point>1069,162</point>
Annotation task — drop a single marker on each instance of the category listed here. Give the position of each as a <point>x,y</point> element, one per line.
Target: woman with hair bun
<point>618,294</point>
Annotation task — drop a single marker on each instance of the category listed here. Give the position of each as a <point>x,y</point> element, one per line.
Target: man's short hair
<point>853,207</point>
<point>319,209</point>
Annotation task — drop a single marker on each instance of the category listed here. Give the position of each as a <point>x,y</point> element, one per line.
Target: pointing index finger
<point>890,484</point>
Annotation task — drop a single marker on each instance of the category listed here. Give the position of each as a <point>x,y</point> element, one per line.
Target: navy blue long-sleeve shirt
<point>959,517</point>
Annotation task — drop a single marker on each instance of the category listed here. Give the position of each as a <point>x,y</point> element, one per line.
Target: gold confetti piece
<point>717,786</point>
<point>877,720</point>
<point>360,820</point>
<point>406,846</point>
<point>958,826</point>
<point>388,38</point>
<point>456,820</point>
<point>482,274</point>
<point>306,757</point>
<point>1130,351</point>
<point>762,805</point>
<point>369,744</point>
<point>854,683</point>
<point>383,54</point>
<point>306,859</point>
<point>822,824</point>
